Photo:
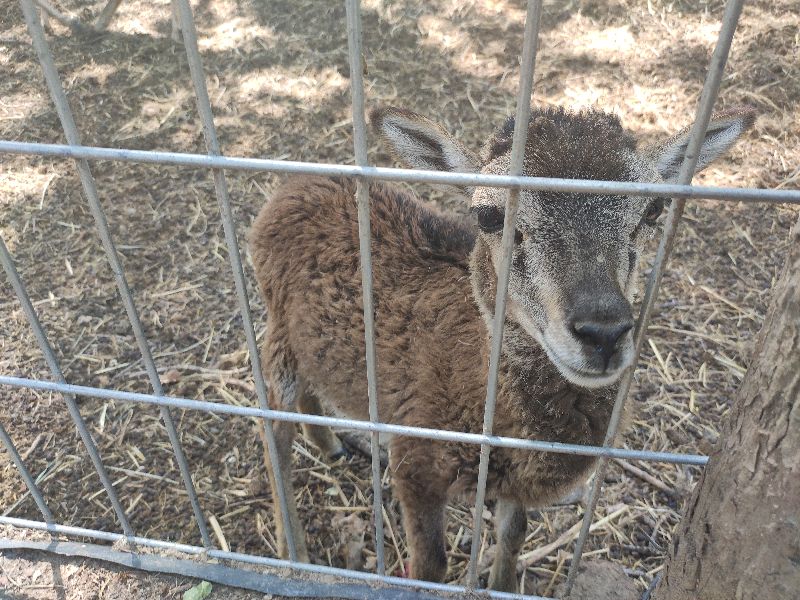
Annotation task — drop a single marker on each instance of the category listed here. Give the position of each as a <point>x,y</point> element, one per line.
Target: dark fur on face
<point>589,144</point>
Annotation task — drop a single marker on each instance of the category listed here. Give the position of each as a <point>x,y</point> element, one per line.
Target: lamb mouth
<point>581,377</point>
<point>587,379</point>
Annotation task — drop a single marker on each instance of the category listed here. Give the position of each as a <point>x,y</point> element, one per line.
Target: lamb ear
<point>420,143</point>
<point>724,129</point>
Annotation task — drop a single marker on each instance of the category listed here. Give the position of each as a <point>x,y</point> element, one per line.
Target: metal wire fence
<point>362,171</point>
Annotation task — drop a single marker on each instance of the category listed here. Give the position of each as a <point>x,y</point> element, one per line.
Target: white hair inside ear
<point>419,143</point>
<point>723,130</point>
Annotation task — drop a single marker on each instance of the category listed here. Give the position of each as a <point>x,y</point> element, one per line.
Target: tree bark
<point>740,536</point>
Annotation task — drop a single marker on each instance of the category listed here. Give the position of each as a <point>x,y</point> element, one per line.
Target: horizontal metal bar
<point>587,186</point>
<point>422,432</point>
<point>275,583</point>
<point>257,560</point>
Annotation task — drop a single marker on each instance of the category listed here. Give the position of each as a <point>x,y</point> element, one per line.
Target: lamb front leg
<point>511,523</point>
<point>422,492</point>
<point>423,520</point>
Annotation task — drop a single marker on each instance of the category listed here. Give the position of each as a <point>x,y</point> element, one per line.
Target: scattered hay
<point>278,80</point>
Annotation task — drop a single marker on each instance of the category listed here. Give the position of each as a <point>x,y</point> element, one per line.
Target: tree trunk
<point>740,536</point>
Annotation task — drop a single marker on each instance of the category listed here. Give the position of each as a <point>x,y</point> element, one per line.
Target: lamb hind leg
<point>511,523</point>
<point>282,393</point>
<point>322,437</point>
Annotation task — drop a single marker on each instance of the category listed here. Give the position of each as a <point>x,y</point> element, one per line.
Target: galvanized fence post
<point>355,54</point>
<point>702,118</point>
<point>221,188</point>
<point>90,189</point>
<point>530,42</point>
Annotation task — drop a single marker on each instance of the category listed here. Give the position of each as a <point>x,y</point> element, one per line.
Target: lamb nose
<point>603,336</point>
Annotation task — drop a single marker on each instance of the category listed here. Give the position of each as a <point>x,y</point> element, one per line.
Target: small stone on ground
<point>601,580</point>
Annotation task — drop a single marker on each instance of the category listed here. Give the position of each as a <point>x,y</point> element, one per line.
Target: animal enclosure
<point>97,348</point>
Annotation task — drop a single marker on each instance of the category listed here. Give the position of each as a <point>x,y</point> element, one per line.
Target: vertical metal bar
<point>522,116</point>
<point>220,185</point>
<point>354,48</point>
<point>52,362</point>
<point>26,476</point>
<point>704,110</point>
<point>90,189</point>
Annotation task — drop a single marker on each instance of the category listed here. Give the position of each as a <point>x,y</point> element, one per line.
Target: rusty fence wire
<point>394,587</point>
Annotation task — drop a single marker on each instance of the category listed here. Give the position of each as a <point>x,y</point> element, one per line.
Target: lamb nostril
<point>603,336</point>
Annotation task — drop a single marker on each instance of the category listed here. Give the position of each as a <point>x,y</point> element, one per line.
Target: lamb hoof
<point>340,453</point>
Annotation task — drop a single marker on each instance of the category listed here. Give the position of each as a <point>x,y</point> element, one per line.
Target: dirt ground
<point>278,79</point>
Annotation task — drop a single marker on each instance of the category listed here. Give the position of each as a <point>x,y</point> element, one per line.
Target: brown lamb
<point>568,324</point>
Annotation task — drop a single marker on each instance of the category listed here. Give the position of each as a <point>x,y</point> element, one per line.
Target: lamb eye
<point>490,218</point>
<point>653,211</point>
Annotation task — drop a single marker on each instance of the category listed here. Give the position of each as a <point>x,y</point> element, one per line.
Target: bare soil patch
<point>278,79</point>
